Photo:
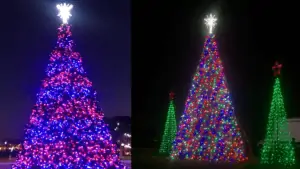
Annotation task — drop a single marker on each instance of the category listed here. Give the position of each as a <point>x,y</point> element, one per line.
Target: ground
<point>148,159</point>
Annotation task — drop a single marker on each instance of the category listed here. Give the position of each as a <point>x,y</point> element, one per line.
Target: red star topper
<point>276,68</point>
<point>171,95</point>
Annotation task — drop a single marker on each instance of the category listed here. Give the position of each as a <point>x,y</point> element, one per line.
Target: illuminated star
<point>210,22</point>
<point>64,12</point>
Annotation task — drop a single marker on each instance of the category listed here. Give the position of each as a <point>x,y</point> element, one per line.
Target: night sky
<point>167,42</point>
<point>101,31</point>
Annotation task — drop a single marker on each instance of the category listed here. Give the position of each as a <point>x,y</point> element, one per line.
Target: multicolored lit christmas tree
<point>66,127</point>
<point>170,128</point>
<point>208,130</point>
<point>277,147</point>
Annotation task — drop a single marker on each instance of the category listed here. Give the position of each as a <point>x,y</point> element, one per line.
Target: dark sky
<point>167,41</point>
<point>101,30</point>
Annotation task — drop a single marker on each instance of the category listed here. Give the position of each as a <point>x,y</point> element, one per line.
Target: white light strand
<point>210,22</point>
<point>64,12</point>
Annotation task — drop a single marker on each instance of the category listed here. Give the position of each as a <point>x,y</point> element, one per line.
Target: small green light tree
<point>170,128</point>
<point>277,147</point>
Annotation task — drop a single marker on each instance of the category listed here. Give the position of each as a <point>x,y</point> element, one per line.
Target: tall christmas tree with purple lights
<point>208,130</point>
<point>66,127</point>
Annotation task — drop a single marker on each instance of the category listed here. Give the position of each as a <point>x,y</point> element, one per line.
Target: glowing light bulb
<point>210,22</point>
<point>64,12</point>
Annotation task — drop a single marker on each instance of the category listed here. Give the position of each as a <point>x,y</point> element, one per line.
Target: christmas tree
<point>208,130</point>
<point>170,128</point>
<point>66,127</point>
<point>277,147</point>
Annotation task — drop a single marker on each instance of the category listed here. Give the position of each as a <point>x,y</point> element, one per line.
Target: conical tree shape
<point>277,147</point>
<point>66,127</point>
<point>208,130</point>
<point>170,129</point>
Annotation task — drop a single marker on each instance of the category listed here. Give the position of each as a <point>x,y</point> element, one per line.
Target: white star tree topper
<point>64,12</point>
<point>210,22</point>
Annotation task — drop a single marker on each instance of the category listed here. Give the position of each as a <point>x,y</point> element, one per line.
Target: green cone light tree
<point>277,147</point>
<point>170,128</point>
